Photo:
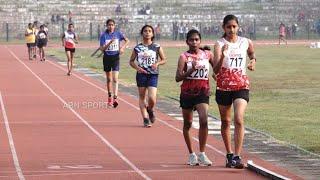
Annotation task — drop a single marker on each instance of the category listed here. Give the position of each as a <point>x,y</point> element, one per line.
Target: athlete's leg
<point>187,122</point>
<point>239,106</point>
<point>225,115</point>
<point>142,102</point>
<point>69,64</point>
<point>203,122</point>
<point>152,97</point>
<point>115,82</point>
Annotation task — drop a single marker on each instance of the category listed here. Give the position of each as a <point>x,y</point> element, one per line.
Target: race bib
<point>235,59</point>
<point>147,58</point>
<point>202,69</point>
<point>114,46</point>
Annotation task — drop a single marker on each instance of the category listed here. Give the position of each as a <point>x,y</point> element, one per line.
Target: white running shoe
<point>203,159</point>
<point>193,160</point>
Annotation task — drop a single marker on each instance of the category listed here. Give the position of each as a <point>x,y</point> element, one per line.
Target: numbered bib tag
<point>202,69</point>
<point>147,58</point>
<point>235,59</point>
<point>114,46</point>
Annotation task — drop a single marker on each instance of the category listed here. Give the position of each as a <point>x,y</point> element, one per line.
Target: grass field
<point>284,99</point>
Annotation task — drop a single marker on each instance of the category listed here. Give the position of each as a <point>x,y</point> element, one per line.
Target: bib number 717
<point>236,62</point>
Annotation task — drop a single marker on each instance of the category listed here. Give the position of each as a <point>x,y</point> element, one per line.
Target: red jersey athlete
<point>193,70</point>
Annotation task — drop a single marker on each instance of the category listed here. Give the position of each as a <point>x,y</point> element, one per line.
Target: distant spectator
<point>148,9</point>
<point>175,29</point>
<point>70,16</point>
<point>282,33</point>
<point>118,9</point>
<point>181,32</point>
<point>301,16</point>
<point>53,20</point>
<point>294,30</point>
<point>158,32</point>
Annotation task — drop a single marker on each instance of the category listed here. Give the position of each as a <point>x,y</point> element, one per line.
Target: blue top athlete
<point>110,45</point>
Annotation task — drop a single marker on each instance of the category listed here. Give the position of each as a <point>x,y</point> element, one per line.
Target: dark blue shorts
<point>111,63</point>
<point>147,80</point>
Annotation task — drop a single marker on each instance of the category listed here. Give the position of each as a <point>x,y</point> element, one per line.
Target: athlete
<point>69,40</point>
<point>146,58</point>
<point>233,85</point>
<point>42,39</point>
<point>110,45</point>
<point>193,71</point>
<point>30,40</point>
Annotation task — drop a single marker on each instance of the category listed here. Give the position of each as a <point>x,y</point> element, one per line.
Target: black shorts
<point>192,101</point>
<point>226,98</point>
<point>41,43</point>
<point>30,45</point>
<point>72,50</point>
<point>111,63</point>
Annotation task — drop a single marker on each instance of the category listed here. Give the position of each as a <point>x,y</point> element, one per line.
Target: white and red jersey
<point>69,39</point>
<point>232,75</point>
<point>198,81</point>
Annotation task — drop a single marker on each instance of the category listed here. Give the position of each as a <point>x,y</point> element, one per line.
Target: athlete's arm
<point>134,65</point>
<point>162,60</point>
<point>181,74</point>
<point>76,38</point>
<point>218,57</point>
<point>126,40</point>
<point>106,46</point>
<point>252,57</point>
<point>62,39</point>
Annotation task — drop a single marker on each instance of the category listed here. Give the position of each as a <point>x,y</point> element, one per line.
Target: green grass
<point>284,99</point>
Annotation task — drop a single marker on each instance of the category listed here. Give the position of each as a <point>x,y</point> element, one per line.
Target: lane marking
<point>11,142</point>
<point>115,150</point>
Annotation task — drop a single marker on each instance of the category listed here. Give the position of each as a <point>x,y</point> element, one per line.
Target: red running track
<point>43,138</point>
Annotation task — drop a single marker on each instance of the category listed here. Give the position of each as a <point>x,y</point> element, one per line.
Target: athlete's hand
<point>141,70</point>
<point>224,50</point>
<point>194,65</point>
<point>121,50</point>
<point>252,65</point>
<point>154,66</point>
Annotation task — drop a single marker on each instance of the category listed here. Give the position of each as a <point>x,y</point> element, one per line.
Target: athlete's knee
<point>187,125</point>
<point>238,122</point>
<point>225,124</point>
<point>203,124</point>
<point>108,80</point>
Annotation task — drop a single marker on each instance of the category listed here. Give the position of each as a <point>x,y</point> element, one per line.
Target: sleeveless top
<point>69,38</point>
<point>32,37</point>
<point>198,82</point>
<point>147,56</point>
<point>232,75</point>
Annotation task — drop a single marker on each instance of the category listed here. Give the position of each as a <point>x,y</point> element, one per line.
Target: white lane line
<point>11,142</point>
<point>115,150</point>
<point>137,108</point>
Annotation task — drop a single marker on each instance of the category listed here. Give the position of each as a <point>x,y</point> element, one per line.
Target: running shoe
<point>237,163</point>
<point>146,122</point>
<point>229,158</point>
<point>110,101</point>
<point>115,103</point>
<point>151,115</point>
<point>193,160</point>
<point>204,160</point>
